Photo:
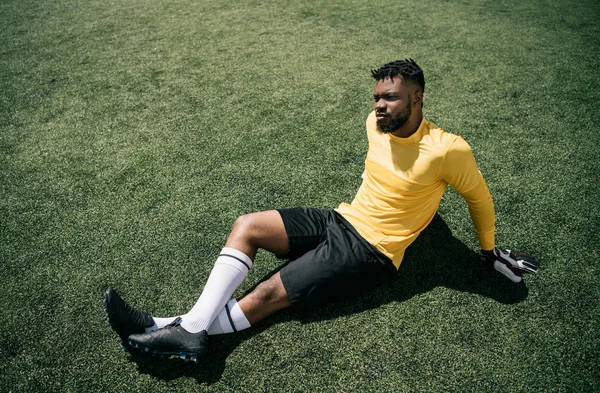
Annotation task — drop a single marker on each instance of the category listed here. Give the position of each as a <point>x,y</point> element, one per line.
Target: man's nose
<point>380,104</point>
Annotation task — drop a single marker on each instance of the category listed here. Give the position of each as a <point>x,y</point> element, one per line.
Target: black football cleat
<point>172,340</point>
<point>123,318</point>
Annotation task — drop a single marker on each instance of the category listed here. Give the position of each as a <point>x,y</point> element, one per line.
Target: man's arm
<point>460,170</point>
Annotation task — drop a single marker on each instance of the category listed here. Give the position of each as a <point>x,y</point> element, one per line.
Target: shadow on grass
<point>435,259</point>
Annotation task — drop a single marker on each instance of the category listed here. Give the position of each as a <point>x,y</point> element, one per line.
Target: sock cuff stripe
<point>236,258</point>
<point>229,317</point>
<point>237,253</point>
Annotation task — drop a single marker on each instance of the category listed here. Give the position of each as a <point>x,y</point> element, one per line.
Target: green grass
<point>132,134</point>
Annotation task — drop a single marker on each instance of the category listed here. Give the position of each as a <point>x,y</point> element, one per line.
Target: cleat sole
<point>186,356</point>
<point>183,355</point>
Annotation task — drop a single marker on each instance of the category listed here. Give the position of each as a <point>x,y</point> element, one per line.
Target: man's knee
<point>260,230</point>
<point>268,297</point>
<point>243,227</point>
<point>271,291</point>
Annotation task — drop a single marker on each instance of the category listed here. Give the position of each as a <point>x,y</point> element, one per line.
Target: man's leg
<point>250,232</point>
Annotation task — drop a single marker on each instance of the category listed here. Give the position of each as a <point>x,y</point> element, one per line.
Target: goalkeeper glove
<point>512,264</point>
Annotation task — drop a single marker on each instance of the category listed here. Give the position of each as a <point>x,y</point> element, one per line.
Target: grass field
<point>132,134</point>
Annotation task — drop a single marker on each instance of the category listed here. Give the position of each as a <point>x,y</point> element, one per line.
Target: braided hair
<point>407,69</point>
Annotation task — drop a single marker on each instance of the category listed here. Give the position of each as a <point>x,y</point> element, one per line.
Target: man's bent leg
<point>250,232</point>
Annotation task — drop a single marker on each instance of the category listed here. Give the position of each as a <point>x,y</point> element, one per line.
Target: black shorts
<point>329,260</point>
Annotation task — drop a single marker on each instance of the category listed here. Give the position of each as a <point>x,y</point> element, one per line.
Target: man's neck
<point>409,128</point>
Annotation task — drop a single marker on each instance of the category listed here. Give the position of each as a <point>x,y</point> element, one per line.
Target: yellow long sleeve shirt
<point>403,183</point>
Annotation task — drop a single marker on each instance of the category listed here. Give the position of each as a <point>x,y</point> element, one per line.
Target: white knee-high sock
<point>231,319</point>
<point>229,272</point>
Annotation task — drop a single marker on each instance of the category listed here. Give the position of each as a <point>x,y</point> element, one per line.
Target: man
<point>335,254</point>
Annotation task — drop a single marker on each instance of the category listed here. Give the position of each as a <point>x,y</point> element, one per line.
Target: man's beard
<point>396,122</point>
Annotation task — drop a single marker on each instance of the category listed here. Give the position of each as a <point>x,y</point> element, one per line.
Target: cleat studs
<point>147,349</point>
<point>194,357</point>
<point>183,356</point>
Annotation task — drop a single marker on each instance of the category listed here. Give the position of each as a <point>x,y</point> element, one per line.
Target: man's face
<point>393,103</point>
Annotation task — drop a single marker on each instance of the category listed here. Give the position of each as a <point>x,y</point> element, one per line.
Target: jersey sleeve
<point>460,170</point>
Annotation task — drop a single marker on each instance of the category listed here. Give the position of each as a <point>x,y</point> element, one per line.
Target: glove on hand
<point>510,263</point>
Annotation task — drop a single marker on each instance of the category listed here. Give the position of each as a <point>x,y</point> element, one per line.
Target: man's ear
<point>418,99</point>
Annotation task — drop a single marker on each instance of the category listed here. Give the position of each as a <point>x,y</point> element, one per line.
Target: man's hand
<point>510,263</point>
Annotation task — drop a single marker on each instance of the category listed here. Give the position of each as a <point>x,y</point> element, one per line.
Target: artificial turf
<point>132,134</point>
